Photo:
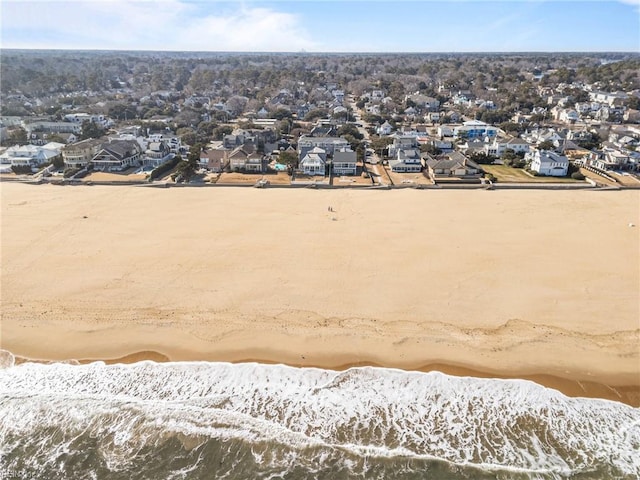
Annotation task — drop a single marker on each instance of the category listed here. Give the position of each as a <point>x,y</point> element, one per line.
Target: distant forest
<point>38,73</point>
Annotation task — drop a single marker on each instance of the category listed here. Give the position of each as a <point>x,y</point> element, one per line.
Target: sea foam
<point>356,416</point>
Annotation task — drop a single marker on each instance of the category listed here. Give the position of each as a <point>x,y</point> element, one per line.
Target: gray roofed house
<point>406,160</point>
<point>117,155</point>
<point>328,144</point>
<point>401,142</point>
<point>214,159</point>
<point>246,158</point>
<point>344,162</point>
<point>548,163</point>
<point>453,164</point>
<point>156,154</point>
<point>323,131</point>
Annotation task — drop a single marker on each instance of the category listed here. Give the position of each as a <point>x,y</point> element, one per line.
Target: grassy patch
<point>506,174</point>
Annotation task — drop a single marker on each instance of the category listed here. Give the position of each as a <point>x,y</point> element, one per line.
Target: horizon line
<point>306,52</point>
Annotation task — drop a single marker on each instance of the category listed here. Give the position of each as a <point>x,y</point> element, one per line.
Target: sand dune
<point>512,283</point>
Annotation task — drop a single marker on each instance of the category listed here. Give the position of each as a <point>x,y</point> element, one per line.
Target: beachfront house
<point>549,163</point>
<point>156,154</point>
<point>255,163</point>
<point>344,162</point>
<point>407,160</point>
<point>117,155</point>
<point>214,159</point>
<point>29,155</point>
<point>245,158</point>
<point>453,164</point>
<point>79,154</point>
<point>610,158</point>
<point>313,162</point>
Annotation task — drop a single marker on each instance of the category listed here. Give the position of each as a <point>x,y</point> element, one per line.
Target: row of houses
<point>312,161</point>
<point>316,153</point>
<point>405,157</point>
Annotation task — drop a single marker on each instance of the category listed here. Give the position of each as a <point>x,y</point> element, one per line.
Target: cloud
<point>151,25</point>
<point>634,3</point>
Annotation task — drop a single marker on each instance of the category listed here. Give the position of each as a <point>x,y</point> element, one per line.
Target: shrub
<point>83,173</point>
<point>490,177</point>
<point>165,167</point>
<point>21,169</point>
<point>514,162</point>
<point>70,172</point>
<point>577,176</point>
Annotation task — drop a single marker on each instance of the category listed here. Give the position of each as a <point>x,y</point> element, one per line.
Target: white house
<point>173,142</point>
<point>548,163</point>
<point>569,115</point>
<point>384,129</point>
<point>406,160</point>
<point>372,109</point>
<point>423,101</point>
<point>80,118</point>
<point>612,99</point>
<point>29,155</point>
<point>377,95</point>
<point>498,147</point>
<point>313,164</point>
<point>401,142</point>
<point>611,158</point>
<point>445,131</point>
<point>433,117</point>
<point>475,129</point>
<point>53,127</point>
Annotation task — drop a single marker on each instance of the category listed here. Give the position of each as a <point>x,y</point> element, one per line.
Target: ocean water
<point>202,420</point>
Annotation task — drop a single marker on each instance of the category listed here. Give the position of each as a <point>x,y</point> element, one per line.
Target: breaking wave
<point>218,420</point>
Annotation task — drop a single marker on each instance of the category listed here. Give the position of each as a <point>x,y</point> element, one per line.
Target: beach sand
<point>520,284</point>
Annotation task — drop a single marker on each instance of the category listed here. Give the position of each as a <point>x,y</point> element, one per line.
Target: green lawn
<point>506,174</point>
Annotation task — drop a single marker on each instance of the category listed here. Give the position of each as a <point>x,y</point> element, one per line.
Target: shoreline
<point>627,394</point>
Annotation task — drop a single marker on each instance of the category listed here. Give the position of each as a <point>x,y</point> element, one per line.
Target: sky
<point>323,26</point>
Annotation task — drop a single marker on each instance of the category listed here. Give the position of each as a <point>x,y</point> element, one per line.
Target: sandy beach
<point>527,284</point>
